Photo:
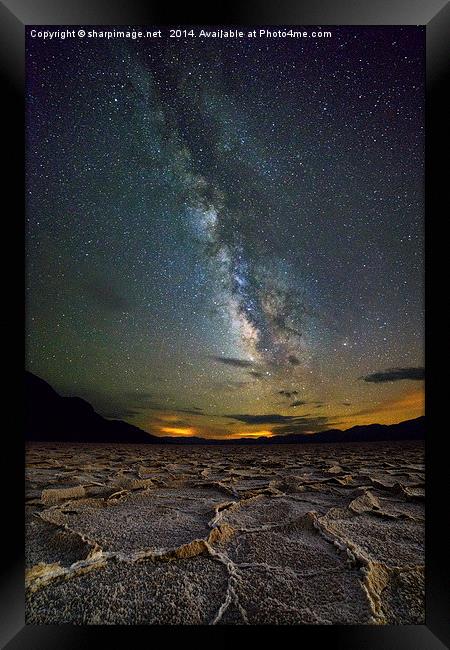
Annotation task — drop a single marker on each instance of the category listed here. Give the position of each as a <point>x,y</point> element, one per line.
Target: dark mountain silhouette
<point>51,417</point>
<point>407,430</point>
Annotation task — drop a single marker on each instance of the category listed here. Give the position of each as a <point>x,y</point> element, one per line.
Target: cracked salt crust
<point>323,534</point>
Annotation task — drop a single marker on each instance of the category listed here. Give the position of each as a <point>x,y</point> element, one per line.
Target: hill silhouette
<point>51,417</point>
<point>407,430</point>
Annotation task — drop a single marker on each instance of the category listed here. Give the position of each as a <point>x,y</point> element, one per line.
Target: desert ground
<point>198,535</point>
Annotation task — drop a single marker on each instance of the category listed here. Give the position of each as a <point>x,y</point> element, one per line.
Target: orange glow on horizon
<point>252,434</point>
<point>406,407</point>
<point>190,431</point>
<point>168,417</point>
<point>179,431</point>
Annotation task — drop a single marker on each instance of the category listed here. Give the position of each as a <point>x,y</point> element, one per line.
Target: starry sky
<point>225,238</point>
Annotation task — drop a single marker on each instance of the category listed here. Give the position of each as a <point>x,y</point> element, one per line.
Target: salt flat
<point>162,534</point>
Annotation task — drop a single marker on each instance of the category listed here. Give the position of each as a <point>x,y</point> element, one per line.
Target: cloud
<point>288,393</point>
<point>298,403</point>
<point>304,425</point>
<point>272,418</point>
<point>231,361</point>
<point>119,413</point>
<point>193,411</point>
<point>395,374</point>
<point>285,424</point>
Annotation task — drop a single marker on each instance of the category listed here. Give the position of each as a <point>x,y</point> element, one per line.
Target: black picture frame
<point>15,15</point>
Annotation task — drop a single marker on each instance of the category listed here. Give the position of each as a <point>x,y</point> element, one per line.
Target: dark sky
<point>226,237</point>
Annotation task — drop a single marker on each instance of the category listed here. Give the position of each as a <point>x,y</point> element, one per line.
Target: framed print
<point>226,232</point>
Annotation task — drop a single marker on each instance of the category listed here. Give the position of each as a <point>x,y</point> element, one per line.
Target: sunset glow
<point>405,407</point>
<point>179,431</point>
<point>252,434</point>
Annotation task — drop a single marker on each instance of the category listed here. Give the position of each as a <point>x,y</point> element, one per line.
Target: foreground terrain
<point>150,534</point>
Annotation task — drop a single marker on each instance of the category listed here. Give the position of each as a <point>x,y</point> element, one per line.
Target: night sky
<point>226,237</point>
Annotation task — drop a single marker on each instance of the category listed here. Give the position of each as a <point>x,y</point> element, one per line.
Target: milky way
<point>255,287</point>
<point>229,229</point>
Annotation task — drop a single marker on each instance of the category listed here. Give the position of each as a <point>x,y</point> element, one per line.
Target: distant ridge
<point>51,417</point>
<point>407,430</point>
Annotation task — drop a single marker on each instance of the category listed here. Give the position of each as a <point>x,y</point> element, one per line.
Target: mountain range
<point>52,417</point>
